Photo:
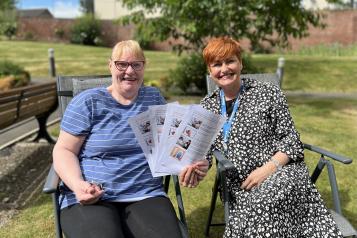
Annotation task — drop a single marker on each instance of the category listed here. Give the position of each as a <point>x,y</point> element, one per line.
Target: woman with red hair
<point>272,195</point>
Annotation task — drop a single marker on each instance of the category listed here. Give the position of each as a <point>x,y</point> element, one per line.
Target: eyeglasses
<point>123,65</point>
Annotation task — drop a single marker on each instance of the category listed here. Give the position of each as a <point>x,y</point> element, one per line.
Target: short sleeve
<point>77,117</point>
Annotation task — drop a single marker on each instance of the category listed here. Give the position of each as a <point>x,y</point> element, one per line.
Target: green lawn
<point>331,124</point>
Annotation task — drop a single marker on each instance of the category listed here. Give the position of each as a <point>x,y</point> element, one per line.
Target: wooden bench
<point>37,101</point>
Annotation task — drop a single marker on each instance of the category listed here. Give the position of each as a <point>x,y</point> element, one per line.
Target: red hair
<point>221,48</point>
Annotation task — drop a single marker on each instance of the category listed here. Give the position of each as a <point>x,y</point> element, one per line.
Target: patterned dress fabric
<point>286,204</point>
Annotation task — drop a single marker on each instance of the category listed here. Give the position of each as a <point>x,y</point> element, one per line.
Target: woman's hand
<point>257,176</point>
<point>87,193</point>
<point>193,174</point>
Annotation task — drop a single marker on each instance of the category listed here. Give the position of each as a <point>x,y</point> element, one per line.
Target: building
<point>31,13</point>
<point>113,9</point>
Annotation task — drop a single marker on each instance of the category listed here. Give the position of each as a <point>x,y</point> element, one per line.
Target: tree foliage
<point>8,25</point>
<point>87,6</point>
<point>8,4</point>
<point>86,30</point>
<point>263,22</point>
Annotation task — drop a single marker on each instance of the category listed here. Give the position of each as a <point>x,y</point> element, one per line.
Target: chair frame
<point>65,93</point>
<point>224,165</point>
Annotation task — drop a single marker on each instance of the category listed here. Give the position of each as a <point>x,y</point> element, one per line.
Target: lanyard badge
<point>228,124</point>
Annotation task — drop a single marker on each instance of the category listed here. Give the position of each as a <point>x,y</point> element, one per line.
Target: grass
<point>313,73</point>
<point>328,50</point>
<point>331,124</point>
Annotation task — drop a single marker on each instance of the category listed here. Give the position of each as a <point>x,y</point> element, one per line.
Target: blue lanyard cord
<point>228,124</point>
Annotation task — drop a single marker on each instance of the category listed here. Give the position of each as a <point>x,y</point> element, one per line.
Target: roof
<point>41,12</point>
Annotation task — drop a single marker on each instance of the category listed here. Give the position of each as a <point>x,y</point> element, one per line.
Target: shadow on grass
<point>197,220</point>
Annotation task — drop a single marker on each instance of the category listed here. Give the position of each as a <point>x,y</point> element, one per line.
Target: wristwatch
<point>276,163</point>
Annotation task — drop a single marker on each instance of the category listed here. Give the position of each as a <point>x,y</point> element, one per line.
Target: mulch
<point>23,169</point>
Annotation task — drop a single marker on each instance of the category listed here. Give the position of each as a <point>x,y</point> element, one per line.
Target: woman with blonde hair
<point>108,189</point>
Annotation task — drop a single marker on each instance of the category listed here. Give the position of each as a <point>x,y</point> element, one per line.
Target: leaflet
<point>191,141</point>
<point>173,136</point>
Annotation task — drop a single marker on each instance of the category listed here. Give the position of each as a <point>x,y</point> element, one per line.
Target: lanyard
<point>228,124</point>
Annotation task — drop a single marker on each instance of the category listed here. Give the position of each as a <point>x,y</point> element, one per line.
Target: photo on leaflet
<point>145,127</point>
<point>175,122</point>
<point>189,131</point>
<point>196,123</point>
<point>177,153</point>
<point>149,141</point>
<point>184,142</point>
<point>160,120</point>
<point>172,131</point>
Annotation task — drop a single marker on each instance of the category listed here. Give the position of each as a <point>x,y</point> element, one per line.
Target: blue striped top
<point>111,155</point>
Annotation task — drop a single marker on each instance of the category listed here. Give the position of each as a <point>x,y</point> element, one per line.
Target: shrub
<point>86,30</point>
<point>8,26</point>
<point>248,66</point>
<point>9,29</point>
<point>59,33</point>
<point>12,75</point>
<point>190,70</point>
<point>28,36</point>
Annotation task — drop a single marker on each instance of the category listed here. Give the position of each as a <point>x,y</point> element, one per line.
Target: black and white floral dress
<point>286,204</point>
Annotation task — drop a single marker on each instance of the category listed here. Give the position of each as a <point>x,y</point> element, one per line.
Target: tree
<point>7,4</point>
<point>8,26</point>
<point>263,22</point>
<point>87,6</point>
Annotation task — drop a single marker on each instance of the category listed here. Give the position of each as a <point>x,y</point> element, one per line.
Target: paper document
<point>173,136</point>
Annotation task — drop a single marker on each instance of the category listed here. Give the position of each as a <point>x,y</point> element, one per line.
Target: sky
<point>58,8</point>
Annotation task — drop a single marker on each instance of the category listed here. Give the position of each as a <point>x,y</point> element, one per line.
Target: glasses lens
<point>137,65</point>
<point>121,65</point>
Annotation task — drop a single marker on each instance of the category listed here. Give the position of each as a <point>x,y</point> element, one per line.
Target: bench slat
<point>25,102</point>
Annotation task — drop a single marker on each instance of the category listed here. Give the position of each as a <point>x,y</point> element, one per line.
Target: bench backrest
<point>69,86</point>
<point>25,102</point>
<point>269,77</point>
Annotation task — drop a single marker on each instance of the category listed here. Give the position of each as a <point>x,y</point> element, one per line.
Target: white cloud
<point>66,9</point>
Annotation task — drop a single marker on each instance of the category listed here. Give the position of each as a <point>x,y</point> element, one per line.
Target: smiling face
<point>226,72</point>
<point>126,81</point>
<point>223,58</point>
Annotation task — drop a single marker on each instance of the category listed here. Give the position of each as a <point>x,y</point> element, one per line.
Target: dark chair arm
<point>329,154</point>
<point>224,164</point>
<point>323,162</point>
<point>51,183</point>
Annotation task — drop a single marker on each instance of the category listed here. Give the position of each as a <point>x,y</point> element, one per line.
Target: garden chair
<point>67,87</point>
<point>224,165</point>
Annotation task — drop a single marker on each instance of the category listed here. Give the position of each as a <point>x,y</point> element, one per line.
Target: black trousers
<point>150,218</point>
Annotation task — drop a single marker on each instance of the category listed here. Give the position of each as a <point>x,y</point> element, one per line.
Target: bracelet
<point>276,163</point>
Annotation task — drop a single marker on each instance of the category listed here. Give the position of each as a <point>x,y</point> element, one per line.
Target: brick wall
<point>341,28</point>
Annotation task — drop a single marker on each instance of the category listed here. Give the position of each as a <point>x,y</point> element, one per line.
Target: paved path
<point>322,95</point>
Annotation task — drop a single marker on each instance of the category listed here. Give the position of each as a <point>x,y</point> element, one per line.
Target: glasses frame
<point>129,64</point>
